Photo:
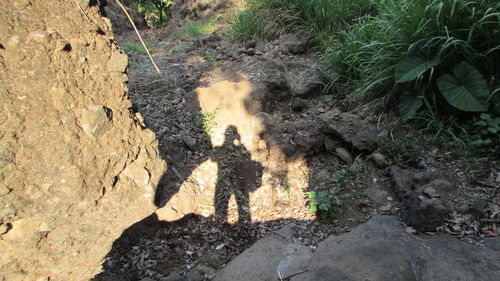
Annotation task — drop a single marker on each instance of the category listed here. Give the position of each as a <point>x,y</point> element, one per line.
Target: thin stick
<point>78,4</point>
<point>140,38</point>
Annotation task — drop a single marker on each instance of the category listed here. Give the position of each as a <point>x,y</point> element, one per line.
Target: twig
<point>140,38</point>
<point>78,4</point>
<point>422,243</point>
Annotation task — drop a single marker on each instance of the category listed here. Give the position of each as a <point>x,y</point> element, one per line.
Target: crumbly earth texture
<point>77,166</point>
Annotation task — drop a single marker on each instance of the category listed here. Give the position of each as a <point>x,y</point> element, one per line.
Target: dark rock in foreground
<point>379,249</point>
<point>421,205</point>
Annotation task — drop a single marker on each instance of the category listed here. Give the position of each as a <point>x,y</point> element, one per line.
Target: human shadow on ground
<point>238,175</point>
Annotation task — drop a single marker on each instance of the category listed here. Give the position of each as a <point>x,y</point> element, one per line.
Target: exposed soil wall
<point>76,165</point>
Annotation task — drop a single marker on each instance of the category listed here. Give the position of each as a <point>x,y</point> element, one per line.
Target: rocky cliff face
<point>76,164</point>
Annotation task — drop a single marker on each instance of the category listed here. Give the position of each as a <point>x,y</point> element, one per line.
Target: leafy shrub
<point>157,12</point>
<point>443,52</point>
<point>326,202</point>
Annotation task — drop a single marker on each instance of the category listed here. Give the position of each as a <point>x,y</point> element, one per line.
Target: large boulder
<point>76,165</point>
<point>377,250</point>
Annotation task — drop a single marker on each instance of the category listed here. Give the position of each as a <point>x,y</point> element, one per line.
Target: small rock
<point>118,62</point>
<point>206,271</point>
<point>344,154</point>
<point>292,44</point>
<point>194,275</point>
<point>430,192</point>
<point>95,121</point>
<point>379,160</point>
<point>250,44</point>
<point>261,122</point>
<point>440,185</point>
<point>220,246</point>
<point>386,208</point>
<point>298,104</point>
<point>328,99</point>
<point>308,90</point>
<point>350,128</point>
<point>478,209</point>
<point>206,38</point>
<point>323,176</point>
<point>375,194</point>
<point>213,259</point>
<point>424,214</point>
<point>330,144</point>
<point>190,142</point>
<point>269,55</point>
<point>424,177</point>
<point>278,86</point>
<point>250,52</point>
<point>410,230</point>
<point>136,172</point>
<point>286,232</point>
<point>402,182</point>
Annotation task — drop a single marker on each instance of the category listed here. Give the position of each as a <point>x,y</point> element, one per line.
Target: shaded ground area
<point>247,134</point>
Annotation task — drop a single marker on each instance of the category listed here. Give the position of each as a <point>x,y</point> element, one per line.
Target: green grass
<point>320,18</point>
<point>137,47</point>
<point>205,26</point>
<point>209,57</point>
<point>402,147</point>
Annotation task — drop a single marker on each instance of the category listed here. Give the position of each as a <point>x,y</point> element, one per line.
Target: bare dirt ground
<point>203,108</point>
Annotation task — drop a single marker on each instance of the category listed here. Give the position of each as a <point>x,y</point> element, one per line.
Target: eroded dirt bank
<point>76,165</point>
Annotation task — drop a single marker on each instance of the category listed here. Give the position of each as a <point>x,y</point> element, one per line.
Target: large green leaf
<point>415,64</point>
<point>409,103</point>
<point>466,89</point>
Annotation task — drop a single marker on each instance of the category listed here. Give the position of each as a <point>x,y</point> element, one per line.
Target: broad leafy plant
<point>462,87</point>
